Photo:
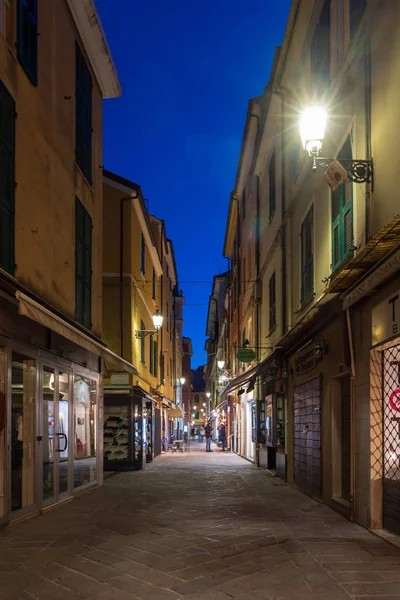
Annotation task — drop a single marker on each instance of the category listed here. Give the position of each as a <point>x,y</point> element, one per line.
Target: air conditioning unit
<point>335,175</point>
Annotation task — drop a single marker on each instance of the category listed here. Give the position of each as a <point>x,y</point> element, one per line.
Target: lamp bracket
<point>142,333</point>
<point>358,171</point>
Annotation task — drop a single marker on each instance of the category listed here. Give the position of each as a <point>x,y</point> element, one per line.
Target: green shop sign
<point>245,355</point>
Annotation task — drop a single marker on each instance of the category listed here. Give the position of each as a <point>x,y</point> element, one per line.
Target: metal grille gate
<point>307,437</point>
<point>391,439</point>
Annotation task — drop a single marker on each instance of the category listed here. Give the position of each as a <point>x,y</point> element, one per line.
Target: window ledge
<point>305,304</point>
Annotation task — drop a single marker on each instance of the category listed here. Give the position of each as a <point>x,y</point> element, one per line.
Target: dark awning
<point>386,241</point>
<point>239,381</point>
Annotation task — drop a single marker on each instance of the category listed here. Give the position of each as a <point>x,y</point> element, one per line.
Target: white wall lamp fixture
<point>312,132</point>
<point>157,322</point>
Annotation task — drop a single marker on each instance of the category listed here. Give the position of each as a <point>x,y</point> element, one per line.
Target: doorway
<point>56,435</point>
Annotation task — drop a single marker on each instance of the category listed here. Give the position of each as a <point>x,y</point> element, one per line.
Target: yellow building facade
<point>50,250</point>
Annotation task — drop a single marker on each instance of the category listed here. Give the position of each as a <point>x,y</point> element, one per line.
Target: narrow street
<point>195,526</point>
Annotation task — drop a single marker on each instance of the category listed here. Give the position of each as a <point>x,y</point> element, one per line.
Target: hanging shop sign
<point>386,319</point>
<point>305,362</point>
<point>245,355</point>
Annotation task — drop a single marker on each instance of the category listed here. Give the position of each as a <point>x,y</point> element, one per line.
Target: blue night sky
<point>187,69</point>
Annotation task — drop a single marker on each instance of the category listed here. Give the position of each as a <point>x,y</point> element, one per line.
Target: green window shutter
<point>155,348</point>
<point>272,302</point>
<point>162,368</point>
<point>151,354</point>
<point>7,180</point>
<point>83,265</point>
<point>342,223</point>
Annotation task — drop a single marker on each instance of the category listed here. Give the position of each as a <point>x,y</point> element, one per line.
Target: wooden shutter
<point>27,37</point>
<point>151,355</point>
<point>342,216</point>
<point>272,302</point>
<point>83,266</point>
<point>7,180</point>
<point>155,359</point>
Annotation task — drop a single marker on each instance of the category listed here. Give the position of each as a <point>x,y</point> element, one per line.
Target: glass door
<point>49,441</point>
<point>55,448</point>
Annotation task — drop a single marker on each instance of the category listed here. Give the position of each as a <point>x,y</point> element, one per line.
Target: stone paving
<point>196,526</point>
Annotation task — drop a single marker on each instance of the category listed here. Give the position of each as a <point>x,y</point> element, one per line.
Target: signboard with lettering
<point>386,319</point>
<point>305,362</point>
<point>245,355</point>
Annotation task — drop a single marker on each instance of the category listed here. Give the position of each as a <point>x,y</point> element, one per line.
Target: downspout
<point>162,233</point>
<point>352,414</point>
<point>258,300</point>
<point>283,234</point>
<point>121,269</point>
<point>368,118</point>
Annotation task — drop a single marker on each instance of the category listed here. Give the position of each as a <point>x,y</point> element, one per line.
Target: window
<point>244,204</point>
<point>320,55</point>
<point>83,265</point>
<point>27,36</point>
<point>272,186</point>
<point>142,344</point>
<point>342,216</point>
<point>153,291</point>
<point>272,302</point>
<point>307,257</point>
<point>7,180</point>
<point>143,255</point>
<point>83,115</point>
<point>357,8</point>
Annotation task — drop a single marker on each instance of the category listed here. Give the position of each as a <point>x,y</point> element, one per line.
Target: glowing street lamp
<point>221,364</point>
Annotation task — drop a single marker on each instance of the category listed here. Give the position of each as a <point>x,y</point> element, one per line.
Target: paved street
<point>200,527</point>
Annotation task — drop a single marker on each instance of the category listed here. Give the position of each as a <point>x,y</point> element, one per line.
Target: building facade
<point>324,277</point>
<point>51,92</point>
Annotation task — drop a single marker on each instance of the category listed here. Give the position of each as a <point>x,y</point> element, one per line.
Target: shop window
<point>357,8</point>
<point>307,257</point>
<point>85,439</point>
<point>64,439</point>
<point>27,37</point>
<point>342,216</point>
<point>272,186</point>
<point>7,180</point>
<point>320,55</point>
<point>83,115</point>
<point>83,265</point>
<point>272,302</point>
<point>23,431</point>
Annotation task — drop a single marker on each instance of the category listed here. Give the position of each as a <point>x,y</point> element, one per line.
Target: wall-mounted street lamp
<point>181,380</point>
<point>312,131</point>
<point>208,394</point>
<point>320,348</point>
<point>157,322</point>
<point>221,364</point>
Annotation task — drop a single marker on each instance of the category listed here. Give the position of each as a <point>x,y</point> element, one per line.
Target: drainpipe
<point>121,268</point>
<point>368,149</point>
<point>283,234</point>
<point>352,415</point>
<point>258,300</point>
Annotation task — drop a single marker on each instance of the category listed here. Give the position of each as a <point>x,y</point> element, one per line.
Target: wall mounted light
<point>320,348</point>
<point>312,132</point>
<point>157,322</point>
<point>221,364</point>
<point>208,394</point>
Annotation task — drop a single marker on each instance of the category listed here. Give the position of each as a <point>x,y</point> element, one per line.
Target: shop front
<point>50,417</point>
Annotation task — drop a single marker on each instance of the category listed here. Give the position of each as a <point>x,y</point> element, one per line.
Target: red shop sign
<point>394,400</point>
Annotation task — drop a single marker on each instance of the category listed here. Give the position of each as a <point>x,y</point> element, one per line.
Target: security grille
<point>307,437</point>
<point>391,439</point>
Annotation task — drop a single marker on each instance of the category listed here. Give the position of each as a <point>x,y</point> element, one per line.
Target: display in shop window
<point>261,422</point>
<point>280,420</point>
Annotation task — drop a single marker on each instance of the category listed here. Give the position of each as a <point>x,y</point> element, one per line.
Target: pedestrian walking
<point>222,436</point>
<point>207,433</point>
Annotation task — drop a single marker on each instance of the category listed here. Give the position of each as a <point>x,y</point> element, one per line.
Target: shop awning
<point>175,413</point>
<point>35,311</point>
<point>238,382</point>
<point>386,241</point>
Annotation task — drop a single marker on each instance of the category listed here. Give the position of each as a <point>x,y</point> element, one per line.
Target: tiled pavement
<point>200,527</point>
